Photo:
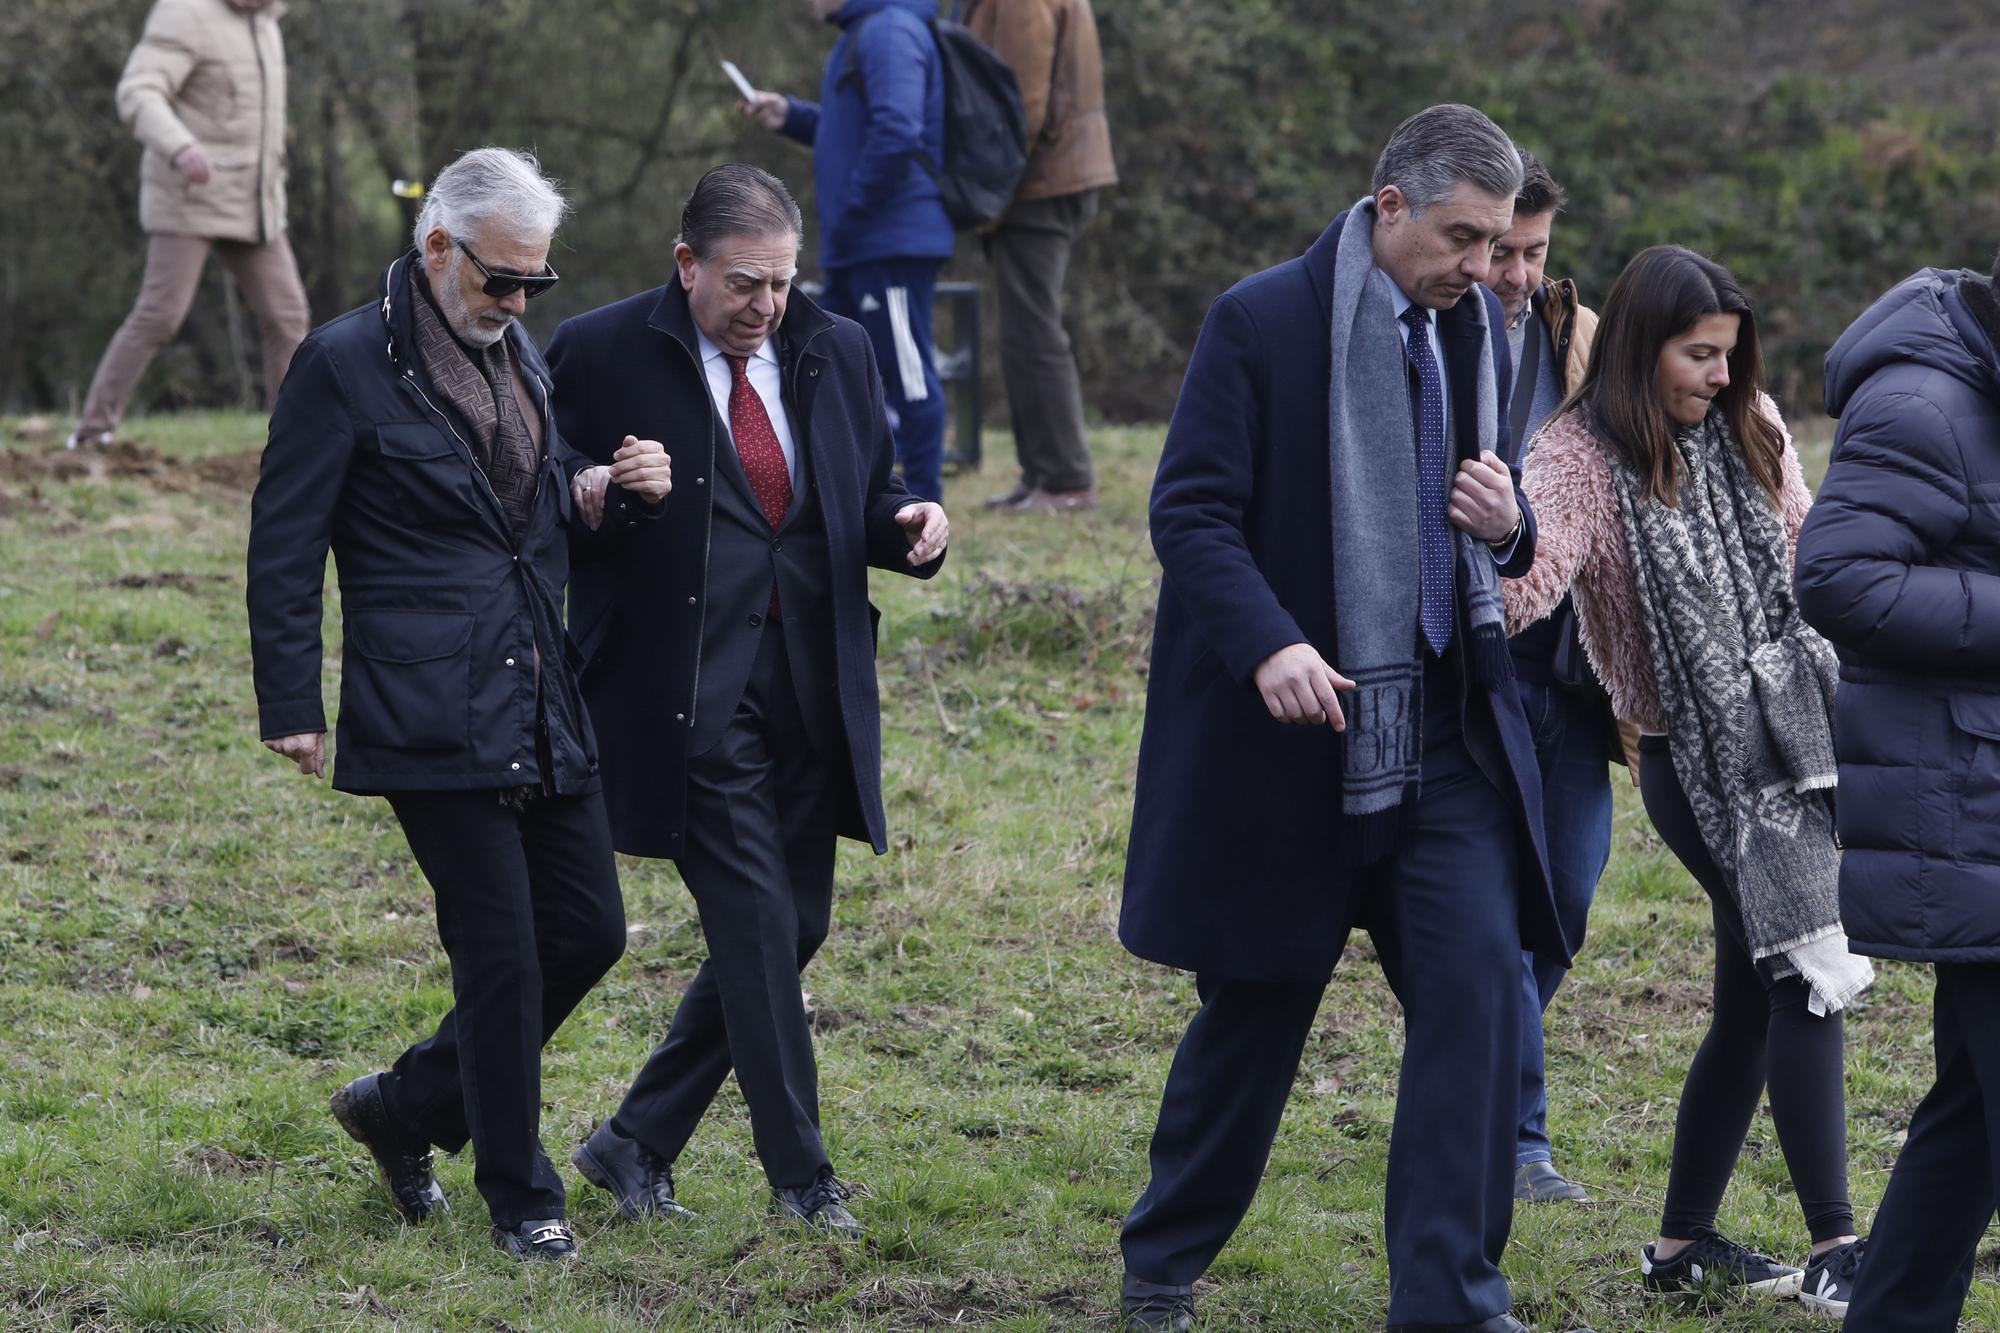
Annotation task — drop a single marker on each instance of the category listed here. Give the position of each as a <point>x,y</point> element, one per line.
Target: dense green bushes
<point>1822,150</point>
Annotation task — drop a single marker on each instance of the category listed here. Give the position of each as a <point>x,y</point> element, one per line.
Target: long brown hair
<point>1661,294</point>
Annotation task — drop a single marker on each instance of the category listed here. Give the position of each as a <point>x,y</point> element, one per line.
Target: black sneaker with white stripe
<point>1829,1280</point>
<point>1712,1260</point>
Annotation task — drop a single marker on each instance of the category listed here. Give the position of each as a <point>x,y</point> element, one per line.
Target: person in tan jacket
<point>204,92</point>
<point>1052,47</point>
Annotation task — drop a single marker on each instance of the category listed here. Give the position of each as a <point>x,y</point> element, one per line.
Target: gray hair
<point>1433,151</point>
<point>490,187</point>
<point>737,199</point>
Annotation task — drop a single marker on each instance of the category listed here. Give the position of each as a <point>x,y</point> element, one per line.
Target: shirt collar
<point>709,351</point>
<point>1402,302</point>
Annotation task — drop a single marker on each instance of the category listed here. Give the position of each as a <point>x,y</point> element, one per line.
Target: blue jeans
<point>1572,746</point>
<point>892,300</point>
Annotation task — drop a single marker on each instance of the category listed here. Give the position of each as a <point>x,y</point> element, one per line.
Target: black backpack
<point>985,125</point>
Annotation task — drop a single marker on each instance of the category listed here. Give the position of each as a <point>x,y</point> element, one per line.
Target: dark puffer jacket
<point>1899,566</point>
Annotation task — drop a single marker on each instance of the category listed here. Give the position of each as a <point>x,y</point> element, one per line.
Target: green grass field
<point>197,945</point>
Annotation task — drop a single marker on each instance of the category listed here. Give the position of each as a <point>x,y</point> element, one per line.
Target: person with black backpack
<point>1052,47</point>
<point>878,135</point>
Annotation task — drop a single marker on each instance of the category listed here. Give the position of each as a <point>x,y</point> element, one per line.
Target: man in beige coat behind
<point>1052,47</point>
<point>204,91</point>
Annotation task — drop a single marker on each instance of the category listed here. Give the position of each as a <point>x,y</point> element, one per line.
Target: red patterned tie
<point>757,444</point>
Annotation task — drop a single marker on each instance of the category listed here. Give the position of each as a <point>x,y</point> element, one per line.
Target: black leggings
<point>1760,1029</point>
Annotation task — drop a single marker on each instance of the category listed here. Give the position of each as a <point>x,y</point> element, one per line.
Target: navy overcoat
<point>1899,566</point>
<point>638,596</point>
<point>1234,865</point>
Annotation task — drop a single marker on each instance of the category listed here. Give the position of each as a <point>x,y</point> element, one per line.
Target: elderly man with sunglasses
<point>414,438</point>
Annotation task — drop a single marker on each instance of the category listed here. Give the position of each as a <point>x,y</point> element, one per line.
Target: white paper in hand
<point>736,77</point>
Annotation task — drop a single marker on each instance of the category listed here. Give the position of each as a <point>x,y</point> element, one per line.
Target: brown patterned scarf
<point>485,393</point>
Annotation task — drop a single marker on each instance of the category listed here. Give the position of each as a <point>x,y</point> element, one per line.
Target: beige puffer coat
<point>210,72</point>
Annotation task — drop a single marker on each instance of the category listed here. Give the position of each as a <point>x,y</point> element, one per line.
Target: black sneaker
<point>404,1162</point>
<point>1829,1278</point>
<point>820,1206</point>
<point>546,1241</point>
<point>1713,1260</point>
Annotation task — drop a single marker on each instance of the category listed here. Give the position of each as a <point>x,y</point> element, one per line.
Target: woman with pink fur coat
<point>1669,499</point>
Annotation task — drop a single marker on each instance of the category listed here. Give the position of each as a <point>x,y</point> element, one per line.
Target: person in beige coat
<point>204,92</point>
<point>1052,47</point>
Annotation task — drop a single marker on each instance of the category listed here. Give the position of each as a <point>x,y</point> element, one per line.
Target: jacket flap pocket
<point>411,440</point>
<point>1978,714</point>
<point>408,636</point>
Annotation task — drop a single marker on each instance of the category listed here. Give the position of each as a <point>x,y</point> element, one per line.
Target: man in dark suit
<point>413,436</point>
<point>1332,734</point>
<point>729,658</point>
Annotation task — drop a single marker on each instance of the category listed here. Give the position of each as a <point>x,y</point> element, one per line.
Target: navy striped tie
<point>1438,608</point>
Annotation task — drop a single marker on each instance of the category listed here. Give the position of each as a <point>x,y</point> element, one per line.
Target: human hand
<point>926,529</point>
<point>1482,499</point>
<point>586,494</point>
<point>767,109</point>
<point>643,468</point>
<point>1298,686</point>
<point>193,163</point>
<point>307,749</point>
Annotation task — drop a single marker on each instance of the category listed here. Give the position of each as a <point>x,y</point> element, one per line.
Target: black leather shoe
<point>404,1162</point>
<point>820,1206</point>
<point>547,1241</point>
<point>1157,1307</point>
<point>632,1172</point>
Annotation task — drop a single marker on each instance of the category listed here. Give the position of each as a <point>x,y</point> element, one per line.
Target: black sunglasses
<point>499,282</point>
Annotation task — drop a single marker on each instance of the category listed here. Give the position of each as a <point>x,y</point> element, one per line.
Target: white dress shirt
<point>1501,554</point>
<point>765,378</point>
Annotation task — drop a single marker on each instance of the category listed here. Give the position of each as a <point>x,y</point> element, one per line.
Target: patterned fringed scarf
<point>1747,688</point>
<point>482,392</point>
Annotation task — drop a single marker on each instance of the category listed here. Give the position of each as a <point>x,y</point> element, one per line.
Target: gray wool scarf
<point>1747,689</point>
<point>1377,571</point>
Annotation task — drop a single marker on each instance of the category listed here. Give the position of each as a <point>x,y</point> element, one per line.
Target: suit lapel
<point>1463,344</point>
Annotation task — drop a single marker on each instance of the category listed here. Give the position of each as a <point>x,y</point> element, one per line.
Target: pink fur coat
<point>1580,549</point>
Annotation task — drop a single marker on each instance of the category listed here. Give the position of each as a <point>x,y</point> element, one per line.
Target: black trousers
<point>1444,913</point>
<point>529,913</point>
<point>1759,1031</point>
<point>1946,1183</point>
<point>761,822</point>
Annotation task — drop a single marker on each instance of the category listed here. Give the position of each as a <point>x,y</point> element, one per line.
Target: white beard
<point>458,315</point>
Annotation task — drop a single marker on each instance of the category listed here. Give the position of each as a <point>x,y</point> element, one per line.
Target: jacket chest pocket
<point>427,474</point>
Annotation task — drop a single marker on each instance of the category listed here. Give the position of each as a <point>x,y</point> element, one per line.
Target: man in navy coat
<point>1250,857</point>
<point>729,658</point>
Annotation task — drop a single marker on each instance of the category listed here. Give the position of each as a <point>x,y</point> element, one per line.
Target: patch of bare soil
<point>127,460</point>
<point>168,579</point>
